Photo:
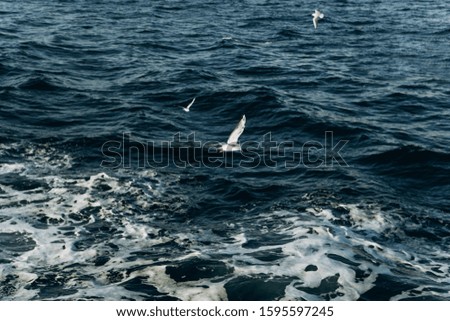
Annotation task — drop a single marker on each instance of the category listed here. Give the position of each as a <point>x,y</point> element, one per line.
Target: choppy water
<point>77,75</point>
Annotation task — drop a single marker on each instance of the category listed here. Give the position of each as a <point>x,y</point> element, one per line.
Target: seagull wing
<point>315,22</point>
<point>189,106</point>
<point>237,132</point>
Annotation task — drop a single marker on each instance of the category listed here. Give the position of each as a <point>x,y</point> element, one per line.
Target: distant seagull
<point>232,142</point>
<point>316,16</point>
<point>186,109</point>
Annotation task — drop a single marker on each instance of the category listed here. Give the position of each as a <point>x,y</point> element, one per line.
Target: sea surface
<point>109,190</point>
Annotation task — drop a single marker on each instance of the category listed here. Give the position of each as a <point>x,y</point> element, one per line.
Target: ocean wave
<point>77,78</point>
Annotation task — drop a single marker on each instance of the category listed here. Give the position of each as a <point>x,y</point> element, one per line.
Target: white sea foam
<point>128,218</point>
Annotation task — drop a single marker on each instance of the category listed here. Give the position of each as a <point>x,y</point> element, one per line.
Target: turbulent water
<point>110,191</point>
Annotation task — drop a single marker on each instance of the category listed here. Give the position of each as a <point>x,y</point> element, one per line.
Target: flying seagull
<point>232,142</point>
<point>316,16</point>
<point>186,109</point>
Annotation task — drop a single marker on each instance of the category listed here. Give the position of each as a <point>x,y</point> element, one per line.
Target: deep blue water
<point>105,196</point>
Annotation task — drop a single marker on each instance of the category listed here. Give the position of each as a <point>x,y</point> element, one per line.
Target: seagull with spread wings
<point>232,142</point>
<point>316,16</point>
<point>186,109</point>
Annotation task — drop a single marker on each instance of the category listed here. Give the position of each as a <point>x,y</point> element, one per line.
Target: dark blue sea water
<point>110,191</point>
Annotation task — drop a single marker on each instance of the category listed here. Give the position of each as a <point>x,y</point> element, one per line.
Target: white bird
<point>232,142</point>
<point>186,109</point>
<point>316,16</point>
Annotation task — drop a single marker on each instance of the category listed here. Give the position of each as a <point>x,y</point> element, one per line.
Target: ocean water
<point>110,191</point>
